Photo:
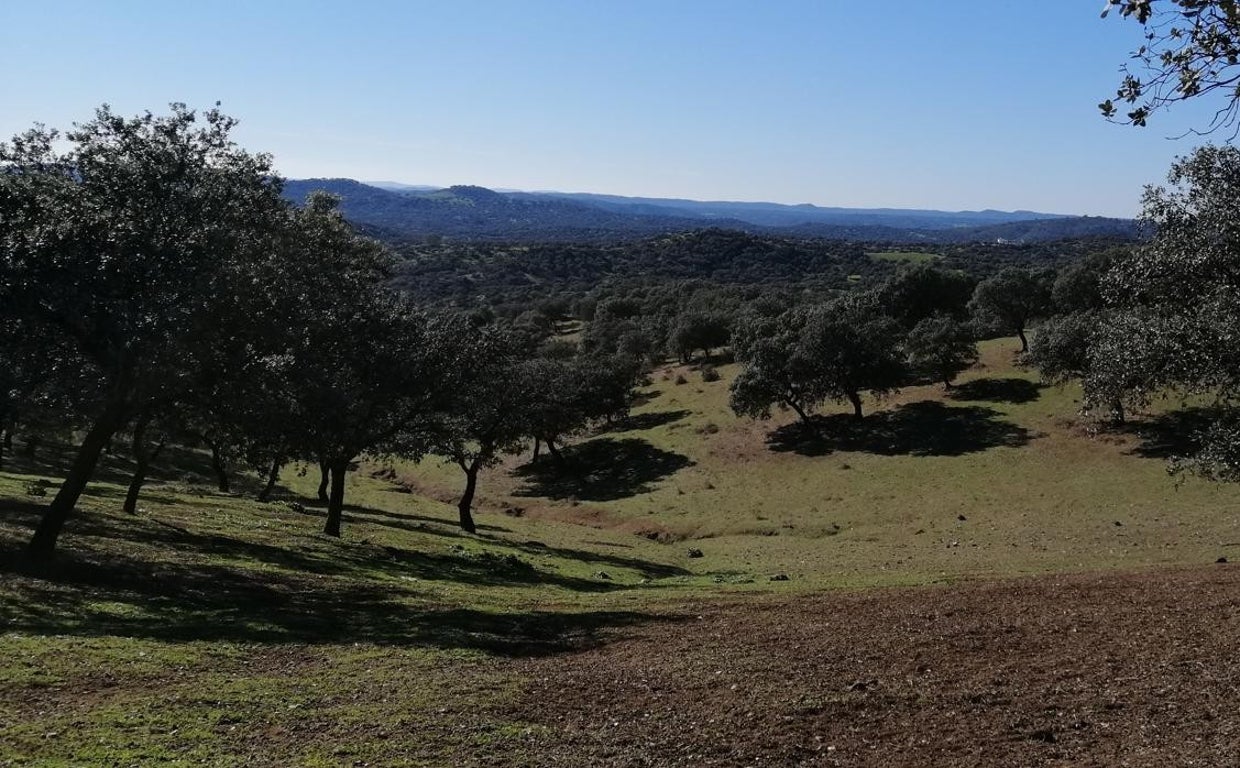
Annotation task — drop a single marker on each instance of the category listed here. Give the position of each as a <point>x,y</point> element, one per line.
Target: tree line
<point>155,285</point>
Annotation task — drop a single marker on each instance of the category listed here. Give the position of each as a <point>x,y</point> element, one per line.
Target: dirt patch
<point>1102,670</point>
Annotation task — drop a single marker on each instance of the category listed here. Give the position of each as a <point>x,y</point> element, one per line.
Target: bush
<point>710,373</point>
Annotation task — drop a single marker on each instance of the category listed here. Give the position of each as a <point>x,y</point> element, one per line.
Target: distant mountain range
<point>412,212</point>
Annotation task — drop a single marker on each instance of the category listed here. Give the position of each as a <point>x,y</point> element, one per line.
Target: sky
<point>945,104</point>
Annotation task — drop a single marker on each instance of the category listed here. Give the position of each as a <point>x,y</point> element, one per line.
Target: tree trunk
<point>855,399</point>
<point>32,446</point>
<point>467,498</point>
<point>4,443</point>
<point>142,461</point>
<point>799,411</point>
<point>43,543</point>
<point>324,479</point>
<point>1024,343</point>
<point>555,453</point>
<point>272,477</point>
<point>537,448</point>
<point>1117,411</point>
<point>335,502</point>
<point>217,464</point>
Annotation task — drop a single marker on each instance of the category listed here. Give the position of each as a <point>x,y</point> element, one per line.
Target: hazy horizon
<point>966,105</point>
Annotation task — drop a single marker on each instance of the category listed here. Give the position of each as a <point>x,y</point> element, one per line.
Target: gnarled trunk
<point>467,498</point>
<point>1024,342</point>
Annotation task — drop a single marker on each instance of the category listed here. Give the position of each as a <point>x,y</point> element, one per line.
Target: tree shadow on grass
<point>202,602</point>
<point>927,428</point>
<point>1177,433</point>
<point>604,469</point>
<point>305,590</point>
<point>1009,390</point>
<point>643,421</point>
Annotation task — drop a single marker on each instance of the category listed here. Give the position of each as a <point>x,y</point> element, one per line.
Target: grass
<point>211,629</point>
<point>914,257</point>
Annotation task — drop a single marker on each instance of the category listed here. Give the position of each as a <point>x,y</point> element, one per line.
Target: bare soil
<point>1136,669</point>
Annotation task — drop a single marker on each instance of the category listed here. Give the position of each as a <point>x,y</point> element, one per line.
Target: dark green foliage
<point>118,248</point>
<point>854,347</point>
<point>1078,287</point>
<point>697,331</point>
<point>1176,301</point>
<point>833,351</point>
<point>1010,300</point>
<point>921,291</point>
<point>941,346</point>
<point>1061,346</point>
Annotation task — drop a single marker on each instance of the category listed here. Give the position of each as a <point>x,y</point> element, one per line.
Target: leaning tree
<point>118,238</point>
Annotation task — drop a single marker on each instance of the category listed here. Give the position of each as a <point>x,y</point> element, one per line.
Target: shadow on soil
<point>307,590</point>
<point>1177,433</point>
<point>1011,390</point>
<point>927,428</point>
<point>604,469</point>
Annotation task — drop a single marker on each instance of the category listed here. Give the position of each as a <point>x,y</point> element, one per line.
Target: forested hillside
<point>479,214</point>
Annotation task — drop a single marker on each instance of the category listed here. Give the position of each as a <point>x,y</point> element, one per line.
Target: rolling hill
<point>407,212</point>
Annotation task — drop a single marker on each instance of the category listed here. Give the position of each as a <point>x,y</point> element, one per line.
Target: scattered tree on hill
<point>1011,300</point>
<point>776,370</point>
<point>488,411</point>
<point>697,331</point>
<point>808,355</point>
<point>853,347</point>
<point>941,346</point>
<point>922,291</point>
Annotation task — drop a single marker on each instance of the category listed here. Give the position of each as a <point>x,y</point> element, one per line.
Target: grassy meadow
<point>210,629</point>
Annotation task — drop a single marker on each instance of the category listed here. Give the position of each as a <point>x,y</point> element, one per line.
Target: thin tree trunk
<point>324,479</point>
<point>272,477</point>
<point>1117,411</point>
<point>467,498</point>
<point>799,411</point>
<point>32,446</point>
<point>537,448</point>
<point>855,399</point>
<point>1024,343</point>
<point>43,543</point>
<point>335,502</point>
<point>217,464</point>
<point>142,461</point>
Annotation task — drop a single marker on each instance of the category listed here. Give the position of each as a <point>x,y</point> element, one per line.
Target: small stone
<point>604,575</point>
<point>961,518</point>
<point>1221,561</point>
<point>780,577</point>
<point>1118,524</point>
<point>695,552</point>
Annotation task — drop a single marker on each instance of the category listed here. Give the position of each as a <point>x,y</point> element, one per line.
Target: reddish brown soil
<point>1095,670</point>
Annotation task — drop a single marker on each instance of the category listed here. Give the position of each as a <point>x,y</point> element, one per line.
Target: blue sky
<point>950,104</point>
